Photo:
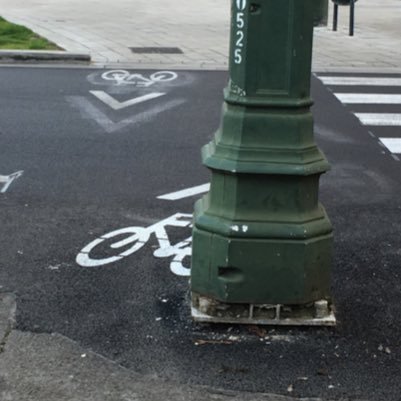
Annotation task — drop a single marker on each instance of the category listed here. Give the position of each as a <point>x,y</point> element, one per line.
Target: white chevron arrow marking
<point>116,105</point>
<point>88,110</point>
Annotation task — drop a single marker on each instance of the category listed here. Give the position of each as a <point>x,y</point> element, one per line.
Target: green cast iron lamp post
<point>261,240</point>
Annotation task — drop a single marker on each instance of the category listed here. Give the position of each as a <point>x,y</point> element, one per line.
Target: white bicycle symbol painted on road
<point>123,77</point>
<point>138,237</point>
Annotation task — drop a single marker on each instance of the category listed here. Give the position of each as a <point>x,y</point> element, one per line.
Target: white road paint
<point>88,110</point>
<point>123,77</point>
<point>137,237</point>
<point>392,144</point>
<point>368,98</point>
<point>6,180</point>
<point>382,119</point>
<point>361,81</point>
<point>116,105</point>
<point>186,193</point>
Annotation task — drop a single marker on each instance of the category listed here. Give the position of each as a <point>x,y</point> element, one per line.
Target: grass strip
<point>18,37</point>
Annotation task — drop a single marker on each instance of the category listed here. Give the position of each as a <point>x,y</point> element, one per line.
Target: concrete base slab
<point>211,311</point>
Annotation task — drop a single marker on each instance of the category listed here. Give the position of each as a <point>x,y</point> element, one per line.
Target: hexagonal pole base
<point>208,310</point>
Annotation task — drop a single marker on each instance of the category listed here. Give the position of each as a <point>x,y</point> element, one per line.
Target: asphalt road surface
<point>97,151</point>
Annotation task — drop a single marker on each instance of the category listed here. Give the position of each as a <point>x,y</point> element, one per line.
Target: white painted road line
<point>368,98</point>
<point>392,144</point>
<point>88,110</point>
<point>186,193</point>
<point>116,105</point>
<point>382,119</point>
<point>361,81</point>
<point>8,179</point>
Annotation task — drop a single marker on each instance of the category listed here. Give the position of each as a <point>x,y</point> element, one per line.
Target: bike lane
<point>96,233</point>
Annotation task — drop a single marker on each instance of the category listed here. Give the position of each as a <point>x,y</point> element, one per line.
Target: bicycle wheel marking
<point>123,77</point>
<point>184,249</point>
<point>138,237</point>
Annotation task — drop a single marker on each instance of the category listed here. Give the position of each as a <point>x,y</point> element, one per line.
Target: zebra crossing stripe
<point>368,98</point>
<point>392,144</point>
<point>371,98</point>
<point>361,81</point>
<point>382,119</point>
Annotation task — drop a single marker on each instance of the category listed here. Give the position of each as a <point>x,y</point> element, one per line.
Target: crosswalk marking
<point>368,98</point>
<point>392,144</point>
<point>360,81</point>
<point>382,119</point>
<point>351,93</point>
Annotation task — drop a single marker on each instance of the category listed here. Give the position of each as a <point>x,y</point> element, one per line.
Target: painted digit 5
<point>240,20</point>
<point>237,56</point>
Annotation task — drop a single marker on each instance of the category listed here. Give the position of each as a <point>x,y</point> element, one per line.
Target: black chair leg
<point>335,17</point>
<point>352,18</point>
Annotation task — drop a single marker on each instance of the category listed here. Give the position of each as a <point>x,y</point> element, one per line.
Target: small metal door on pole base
<point>261,240</point>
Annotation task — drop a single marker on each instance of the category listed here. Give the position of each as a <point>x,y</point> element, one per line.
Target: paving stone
<point>202,26</point>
